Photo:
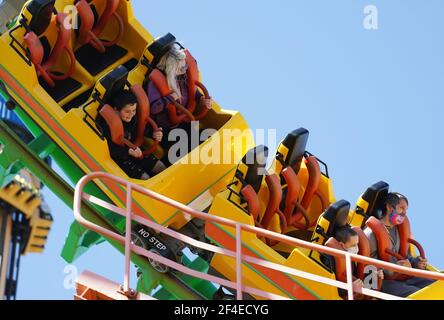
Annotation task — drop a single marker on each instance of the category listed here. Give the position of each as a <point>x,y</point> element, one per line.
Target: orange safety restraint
<point>294,210</point>
<point>88,34</point>
<point>176,112</point>
<point>254,205</point>
<point>116,126</point>
<point>340,264</point>
<point>385,251</point>
<point>36,52</point>
<point>364,250</point>
<point>275,197</point>
<point>291,200</point>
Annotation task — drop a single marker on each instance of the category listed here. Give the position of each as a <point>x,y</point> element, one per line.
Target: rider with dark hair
<point>130,160</point>
<point>394,213</point>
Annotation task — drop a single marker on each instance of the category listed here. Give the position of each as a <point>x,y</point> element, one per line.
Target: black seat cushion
<point>78,101</point>
<point>95,62</point>
<point>62,88</point>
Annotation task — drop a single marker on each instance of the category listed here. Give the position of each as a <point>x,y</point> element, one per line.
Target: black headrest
<point>113,82</point>
<point>337,214</point>
<point>296,142</point>
<point>256,161</point>
<point>41,11</point>
<point>160,46</point>
<point>375,197</point>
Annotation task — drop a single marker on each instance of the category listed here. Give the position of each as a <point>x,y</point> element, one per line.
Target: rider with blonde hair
<point>173,65</point>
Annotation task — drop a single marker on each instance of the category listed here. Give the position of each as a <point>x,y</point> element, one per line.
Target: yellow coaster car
<point>61,77</point>
<point>61,72</point>
<point>293,198</point>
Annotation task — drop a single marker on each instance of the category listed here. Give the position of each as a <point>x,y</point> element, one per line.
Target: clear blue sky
<point>372,100</point>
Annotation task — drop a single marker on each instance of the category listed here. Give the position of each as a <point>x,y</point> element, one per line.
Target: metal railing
<point>240,258</point>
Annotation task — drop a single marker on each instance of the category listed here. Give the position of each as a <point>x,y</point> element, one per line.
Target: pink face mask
<point>396,218</point>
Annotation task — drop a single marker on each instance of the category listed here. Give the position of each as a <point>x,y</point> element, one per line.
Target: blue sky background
<point>371,99</point>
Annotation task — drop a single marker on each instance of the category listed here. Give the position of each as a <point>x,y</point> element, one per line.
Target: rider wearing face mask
<point>348,239</point>
<point>396,206</point>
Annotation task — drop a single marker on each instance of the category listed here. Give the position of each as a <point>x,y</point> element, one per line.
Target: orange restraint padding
<point>35,48</point>
<point>193,77</point>
<point>385,245</point>
<point>193,84</point>
<point>406,239</point>
<point>85,32</point>
<point>176,112</point>
<point>116,127</point>
<point>143,112</point>
<point>115,124</point>
<point>382,237</point>
<point>384,242</point>
<point>293,189</point>
<point>206,94</point>
<point>274,201</point>
<point>419,246</point>
<point>62,44</point>
<point>143,118</point>
<point>90,34</point>
<point>254,205</point>
<point>340,266</point>
<point>174,116</point>
<point>110,11</point>
<point>291,201</point>
<point>364,250</point>
<point>36,55</point>
<point>161,83</point>
<point>314,179</point>
<point>404,235</point>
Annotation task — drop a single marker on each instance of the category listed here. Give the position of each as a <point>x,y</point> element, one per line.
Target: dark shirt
<point>396,244</point>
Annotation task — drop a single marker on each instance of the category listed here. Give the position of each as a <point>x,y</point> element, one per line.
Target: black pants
<point>135,168</point>
<point>405,288</point>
